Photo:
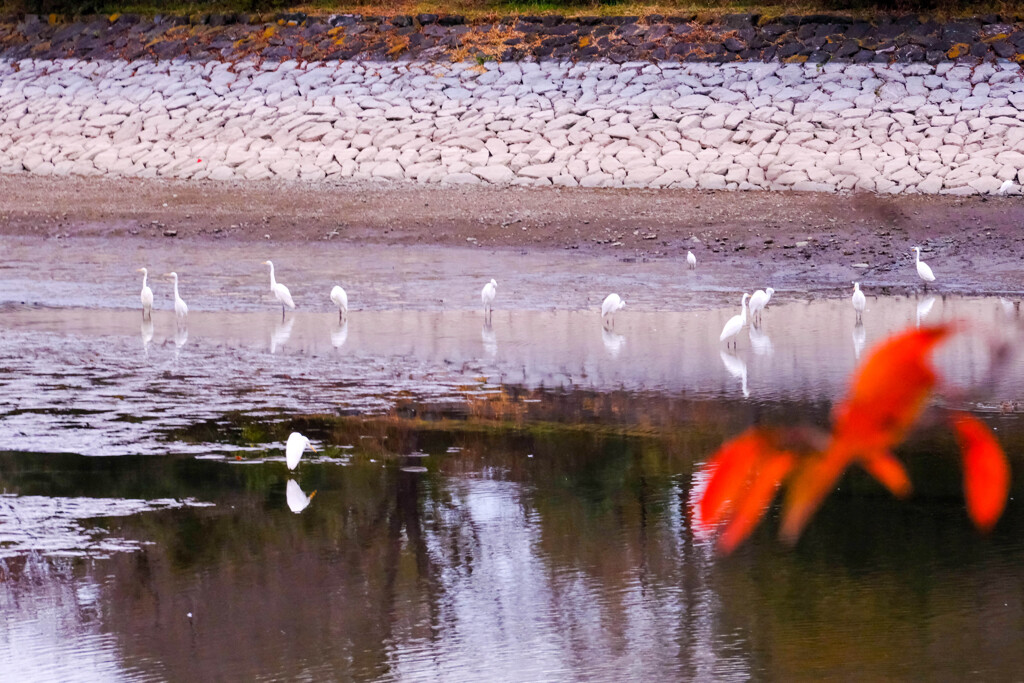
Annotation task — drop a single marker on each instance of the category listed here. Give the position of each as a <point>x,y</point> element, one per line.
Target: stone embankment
<point>885,128</point>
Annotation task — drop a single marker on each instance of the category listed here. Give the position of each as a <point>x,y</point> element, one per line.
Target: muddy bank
<point>977,240</point>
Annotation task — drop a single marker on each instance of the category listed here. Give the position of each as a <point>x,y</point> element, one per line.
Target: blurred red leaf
<point>986,470</point>
<point>886,398</point>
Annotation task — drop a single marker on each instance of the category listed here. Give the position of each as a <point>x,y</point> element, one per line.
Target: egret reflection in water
<point>297,499</point>
<point>760,342</point>
<point>737,368</point>
<point>613,342</point>
<point>924,307</point>
<point>282,333</point>
<point>340,335</point>
<point>180,339</point>
<point>146,333</point>
<point>489,339</point>
<point>859,337</point>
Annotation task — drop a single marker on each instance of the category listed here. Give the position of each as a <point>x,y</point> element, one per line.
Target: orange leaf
<point>751,508</point>
<point>731,467</point>
<point>888,392</point>
<point>883,466</point>
<point>986,471</point>
<point>813,481</point>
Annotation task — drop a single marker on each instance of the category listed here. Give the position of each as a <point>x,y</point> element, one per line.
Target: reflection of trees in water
<point>585,547</point>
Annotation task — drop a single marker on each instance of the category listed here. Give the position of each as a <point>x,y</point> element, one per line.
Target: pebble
<point>886,128</point>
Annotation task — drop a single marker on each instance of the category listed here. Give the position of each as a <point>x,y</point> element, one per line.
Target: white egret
<point>758,300</point>
<point>146,296</point>
<point>1005,187</point>
<point>281,292</point>
<point>180,307</point>
<point>340,299</point>
<point>691,260</point>
<point>612,303</point>
<point>297,500</point>
<point>735,323</point>
<point>487,295</point>
<point>922,268</point>
<point>858,300</point>
<point>293,449</point>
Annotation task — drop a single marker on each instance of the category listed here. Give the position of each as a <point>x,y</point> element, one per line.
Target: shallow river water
<point>493,501</point>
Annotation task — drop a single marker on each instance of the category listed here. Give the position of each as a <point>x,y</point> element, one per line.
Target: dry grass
<point>483,10</point>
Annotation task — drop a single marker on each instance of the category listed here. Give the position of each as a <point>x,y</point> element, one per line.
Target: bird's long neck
<point>744,309</point>
<point>917,256</point>
<point>176,289</point>
<point>273,282</point>
<point>144,276</point>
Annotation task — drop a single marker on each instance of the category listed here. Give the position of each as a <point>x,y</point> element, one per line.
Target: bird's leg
<point>340,317</point>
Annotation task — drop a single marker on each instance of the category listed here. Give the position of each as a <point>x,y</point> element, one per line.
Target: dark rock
<point>452,20</point>
<point>401,20</point>
<point>960,31</point>
<point>847,48</point>
<point>910,53</point>
<point>733,45</point>
<point>739,20</point>
<point>979,50</point>
<point>789,50</point>
<point>864,56</point>
<point>589,21</point>
<point>426,19</point>
<point>1003,49</point>
<point>818,57</point>
<point>551,20</point>
<point>658,32</point>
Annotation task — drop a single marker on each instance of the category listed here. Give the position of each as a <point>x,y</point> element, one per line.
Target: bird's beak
<point>313,448</point>
<point>311,495</point>
<point>139,270</point>
<point>266,263</point>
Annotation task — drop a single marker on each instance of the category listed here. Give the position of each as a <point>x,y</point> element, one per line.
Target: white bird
<point>758,300</point>
<point>735,323</point>
<point>280,291</point>
<point>922,268</point>
<point>610,305</point>
<point>146,296</point>
<point>293,449</point>
<point>1005,187</point>
<point>297,500</point>
<point>487,295</point>
<point>180,307</point>
<point>340,299</point>
<point>691,260</point>
<point>858,300</point>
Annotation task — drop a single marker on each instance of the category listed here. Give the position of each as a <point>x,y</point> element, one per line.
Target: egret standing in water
<point>180,308</point>
<point>293,449</point>
<point>858,300</point>
<point>758,300</point>
<point>923,268</point>
<point>612,303</point>
<point>691,260</point>
<point>146,296</point>
<point>735,324</point>
<point>487,295</point>
<point>281,292</point>
<point>340,299</point>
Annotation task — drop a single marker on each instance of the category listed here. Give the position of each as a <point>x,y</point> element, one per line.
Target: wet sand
<point>974,244</point>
